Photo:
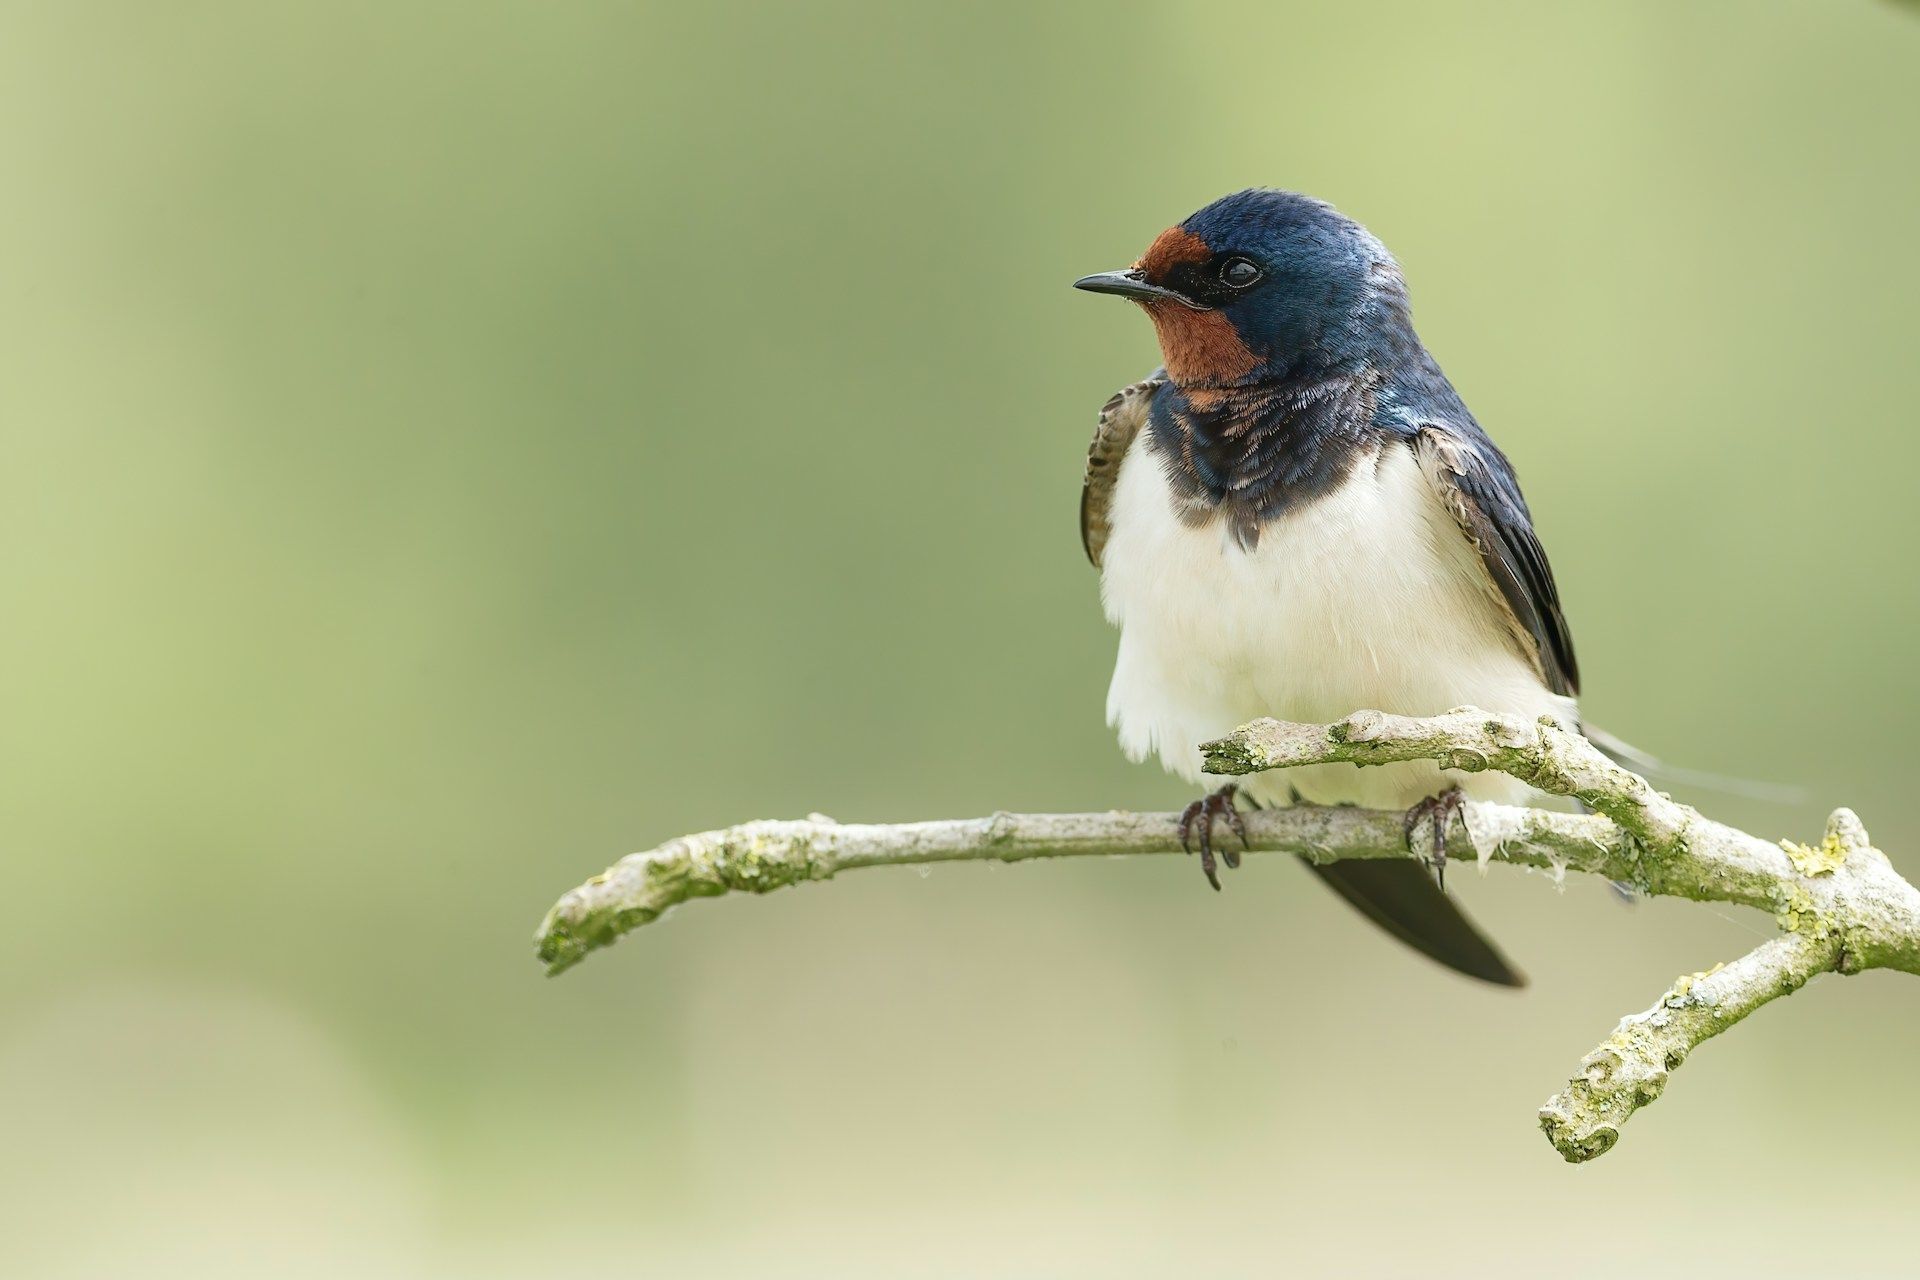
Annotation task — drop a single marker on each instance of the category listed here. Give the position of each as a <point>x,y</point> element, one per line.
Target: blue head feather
<point>1329,294</point>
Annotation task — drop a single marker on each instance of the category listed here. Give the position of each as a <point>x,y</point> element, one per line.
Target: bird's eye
<point>1238,273</point>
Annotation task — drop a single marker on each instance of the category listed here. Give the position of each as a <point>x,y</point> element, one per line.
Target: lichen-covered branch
<point>1720,863</point>
<point>759,857</point>
<point>1840,905</point>
<point>1630,1068</point>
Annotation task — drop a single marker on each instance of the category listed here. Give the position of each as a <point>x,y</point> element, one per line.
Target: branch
<point>759,857</point>
<point>1630,1068</point>
<point>1840,906</point>
<point>1715,863</point>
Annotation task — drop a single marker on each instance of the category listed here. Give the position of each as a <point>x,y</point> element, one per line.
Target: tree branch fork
<point>1839,905</point>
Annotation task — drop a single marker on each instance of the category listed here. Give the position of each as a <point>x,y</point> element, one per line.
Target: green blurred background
<point>436,436</point>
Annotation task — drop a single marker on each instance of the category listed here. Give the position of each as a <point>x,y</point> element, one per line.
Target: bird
<point>1296,516</point>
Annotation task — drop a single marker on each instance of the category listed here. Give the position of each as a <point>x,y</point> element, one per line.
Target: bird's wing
<point>1121,418</point>
<point>1477,484</point>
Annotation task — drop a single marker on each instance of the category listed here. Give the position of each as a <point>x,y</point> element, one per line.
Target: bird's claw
<point>1200,816</point>
<point>1438,810</point>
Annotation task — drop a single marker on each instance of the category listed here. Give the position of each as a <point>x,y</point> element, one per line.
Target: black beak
<point>1132,284</point>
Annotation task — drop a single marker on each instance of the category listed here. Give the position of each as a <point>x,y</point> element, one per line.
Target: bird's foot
<point>1199,817</point>
<point>1439,811</point>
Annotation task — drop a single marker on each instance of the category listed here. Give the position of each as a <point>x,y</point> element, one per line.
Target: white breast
<point>1368,597</point>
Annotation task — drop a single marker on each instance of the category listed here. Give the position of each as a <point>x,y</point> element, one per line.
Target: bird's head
<point>1259,285</point>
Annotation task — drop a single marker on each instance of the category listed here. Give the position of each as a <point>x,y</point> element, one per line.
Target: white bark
<point>1840,905</point>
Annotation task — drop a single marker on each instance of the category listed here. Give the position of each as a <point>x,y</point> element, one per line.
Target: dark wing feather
<point>1120,421</point>
<point>1477,483</point>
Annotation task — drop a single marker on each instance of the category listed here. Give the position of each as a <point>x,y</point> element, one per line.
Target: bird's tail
<point>1402,898</point>
<point>1650,766</point>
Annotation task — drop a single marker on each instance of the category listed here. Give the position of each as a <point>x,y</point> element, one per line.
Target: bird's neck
<point>1253,451</point>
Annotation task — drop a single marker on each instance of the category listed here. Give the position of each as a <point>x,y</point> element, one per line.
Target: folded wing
<point>1477,483</point>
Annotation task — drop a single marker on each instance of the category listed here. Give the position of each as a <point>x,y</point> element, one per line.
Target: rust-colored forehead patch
<point>1169,249</point>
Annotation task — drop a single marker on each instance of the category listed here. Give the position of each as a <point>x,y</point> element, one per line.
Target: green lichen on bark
<point>1799,912</point>
<point>752,858</point>
<point>1828,858</point>
<point>1584,1122</point>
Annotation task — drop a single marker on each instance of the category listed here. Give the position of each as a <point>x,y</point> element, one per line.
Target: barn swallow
<point>1296,516</point>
